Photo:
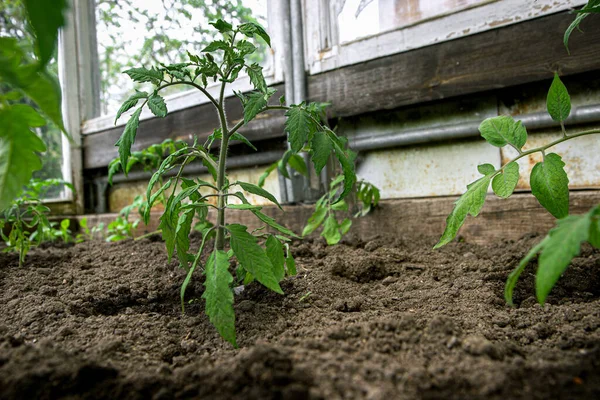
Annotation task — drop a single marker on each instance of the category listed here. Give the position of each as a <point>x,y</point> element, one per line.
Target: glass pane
<point>360,18</point>
<point>12,17</point>
<point>133,33</point>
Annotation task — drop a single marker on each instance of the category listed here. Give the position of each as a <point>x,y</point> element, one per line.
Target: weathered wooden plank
<point>99,148</point>
<point>513,55</point>
<point>500,219</point>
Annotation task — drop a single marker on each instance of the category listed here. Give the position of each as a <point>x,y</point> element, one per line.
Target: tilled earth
<point>384,319</point>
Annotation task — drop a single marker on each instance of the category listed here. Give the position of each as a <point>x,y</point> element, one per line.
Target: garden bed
<point>381,319</point>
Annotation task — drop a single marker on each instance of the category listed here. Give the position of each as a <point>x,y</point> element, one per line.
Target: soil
<point>383,319</point>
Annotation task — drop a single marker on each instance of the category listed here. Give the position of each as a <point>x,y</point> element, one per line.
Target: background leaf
<point>502,130</point>
<point>558,101</point>
<point>46,19</point>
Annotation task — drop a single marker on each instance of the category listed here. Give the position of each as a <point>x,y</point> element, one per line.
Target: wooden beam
<point>99,148</point>
<point>500,219</point>
<point>521,53</point>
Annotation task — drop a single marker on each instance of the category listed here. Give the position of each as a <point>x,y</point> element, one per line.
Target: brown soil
<point>376,320</point>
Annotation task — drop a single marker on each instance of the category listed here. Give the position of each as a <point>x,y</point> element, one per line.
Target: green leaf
<point>505,182</point>
<point>563,244</point>
<point>331,230</point>
<point>514,276</point>
<point>255,103</point>
<point>216,45</point>
<point>320,150</point>
<point>182,237</point>
<point>290,263</point>
<point>574,25</point>
<point>222,26</point>
<point>242,138</point>
<point>550,185</point>
<point>345,226</point>
<point>265,175</point>
<point>503,130</point>
<point>347,169</point>
<point>471,202</point>
<point>46,20</point>
<point>245,47</point>
<point>188,278</point>
<point>273,224</point>
<point>594,238</point>
<point>299,126</point>
<point>152,199</point>
<point>486,169</point>
<point>256,77</point>
<point>128,137</point>
<point>251,188</point>
<point>142,75</point>
<point>130,103</point>
<point>275,254</point>
<point>251,28</point>
<point>157,105</point>
<point>340,206</point>
<point>219,296</point>
<point>296,162</point>
<point>558,101</point>
<point>28,114</point>
<point>314,221</point>
<point>252,257</point>
<point>168,225</point>
<point>243,207</point>
<point>19,148</point>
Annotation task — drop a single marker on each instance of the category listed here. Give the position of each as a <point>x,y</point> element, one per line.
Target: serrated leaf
<point>320,150</point>
<point>19,148</point>
<point>255,103</point>
<point>256,77</point>
<point>563,244</point>
<point>550,185</point>
<point>299,126</point>
<point>275,254</point>
<point>505,182</point>
<point>251,28</point>
<point>157,105</point>
<point>471,202</point>
<point>182,237</point>
<point>558,101</point>
<point>273,224</point>
<point>252,257</point>
<point>219,296</point>
<point>222,26</point>
<point>245,47</point>
<point>46,21</point>
<point>486,169</point>
<point>142,75</point>
<point>128,137</point>
<point>347,169</point>
<point>168,225</point>
<point>502,130</point>
<point>193,58</point>
<point>315,220</point>
<point>242,138</point>
<point>251,188</point>
<point>130,103</point>
<point>216,45</point>
<point>331,230</point>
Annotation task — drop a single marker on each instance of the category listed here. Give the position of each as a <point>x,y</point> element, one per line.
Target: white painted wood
<point>443,169</point>
<point>440,29</point>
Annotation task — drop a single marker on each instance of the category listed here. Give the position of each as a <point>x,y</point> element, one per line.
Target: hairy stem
<point>220,240</point>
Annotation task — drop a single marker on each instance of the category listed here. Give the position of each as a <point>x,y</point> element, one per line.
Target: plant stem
<point>220,240</point>
<point>147,235</point>
<point>542,149</point>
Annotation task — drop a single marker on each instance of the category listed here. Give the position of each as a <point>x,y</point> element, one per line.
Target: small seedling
<point>26,219</point>
<point>259,254</point>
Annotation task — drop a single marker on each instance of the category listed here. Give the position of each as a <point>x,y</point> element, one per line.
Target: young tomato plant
<point>26,219</point>
<point>325,210</point>
<point>259,255</point>
<point>549,184</point>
